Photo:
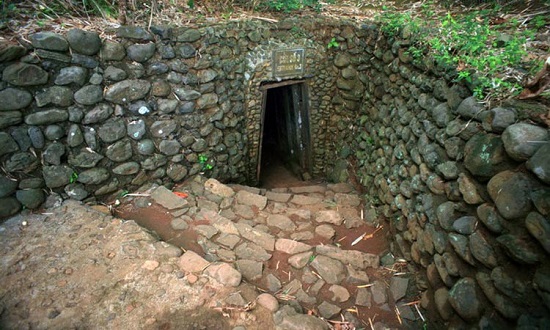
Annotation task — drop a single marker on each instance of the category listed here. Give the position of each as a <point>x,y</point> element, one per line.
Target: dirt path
<point>81,268</point>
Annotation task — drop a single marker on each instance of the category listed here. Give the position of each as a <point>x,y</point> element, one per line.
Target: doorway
<point>285,143</point>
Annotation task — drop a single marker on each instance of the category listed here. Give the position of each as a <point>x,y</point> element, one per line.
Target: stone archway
<point>261,71</point>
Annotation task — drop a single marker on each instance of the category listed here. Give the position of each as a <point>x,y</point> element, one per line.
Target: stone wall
<point>85,117</point>
<point>463,187</point>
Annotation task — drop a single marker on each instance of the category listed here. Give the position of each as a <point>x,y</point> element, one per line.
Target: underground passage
<point>285,134</point>
<point>174,175</point>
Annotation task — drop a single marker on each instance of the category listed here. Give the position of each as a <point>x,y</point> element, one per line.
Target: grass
<point>482,47</point>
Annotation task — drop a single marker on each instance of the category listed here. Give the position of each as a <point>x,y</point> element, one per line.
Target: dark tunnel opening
<point>285,140</point>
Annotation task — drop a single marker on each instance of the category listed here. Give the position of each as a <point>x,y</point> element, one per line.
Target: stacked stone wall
<point>464,188</point>
<point>86,117</point>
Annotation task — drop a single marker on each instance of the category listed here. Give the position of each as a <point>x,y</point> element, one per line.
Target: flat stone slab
<point>398,287</point>
<point>250,269</point>
<point>278,197</point>
<point>302,236</point>
<point>217,188</point>
<point>228,240</point>
<point>331,270</point>
<point>347,199</point>
<point>356,276</point>
<point>328,310</point>
<point>192,262</point>
<point>291,247</point>
<point>300,260</point>
<point>355,258</point>
<point>273,284</point>
<point>179,224</point>
<point>305,200</point>
<point>339,293</point>
<point>298,214</point>
<point>378,291</point>
<point>206,231</point>
<point>302,322</point>
<point>252,251</point>
<point>329,216</point>
<point>308,189</point>
<point>168,199</point>
<point>247,198</point>
<point>281,221</point>
<point>244,211</point>
<point>340,187</point>
<point>325,231</point>
<point>268,301</point>
<point>363,297</point>
<point>225,226</point>
<point>263,239</point>
<point>224,273</point>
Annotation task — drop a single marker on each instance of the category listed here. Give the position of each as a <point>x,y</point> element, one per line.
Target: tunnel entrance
<point>285,146</point>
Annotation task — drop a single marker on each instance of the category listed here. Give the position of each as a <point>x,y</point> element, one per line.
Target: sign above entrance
<point>288,62</point>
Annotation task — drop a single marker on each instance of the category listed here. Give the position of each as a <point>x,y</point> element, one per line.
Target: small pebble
<point>150,264</point>
<point>268,301</point>
<point>192,278</point>
<point>53,314</point>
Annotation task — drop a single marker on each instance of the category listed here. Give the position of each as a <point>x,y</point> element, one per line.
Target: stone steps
<point>281,240</point>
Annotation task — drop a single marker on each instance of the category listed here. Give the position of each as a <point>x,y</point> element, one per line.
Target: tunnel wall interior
<point>463,188</point>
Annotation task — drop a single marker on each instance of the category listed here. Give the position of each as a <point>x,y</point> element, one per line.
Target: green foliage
<point>203,160</point>
<point>100,7</point>
<point>479,53</point>
<point>393,22</point>
<point>292,5</point>
<point>73,177</point>
<point>333,43</point>
<point>539,21</point>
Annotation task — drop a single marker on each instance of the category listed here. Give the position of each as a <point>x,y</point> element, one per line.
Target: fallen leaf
<point>538,84</point>
<point>181,194</point>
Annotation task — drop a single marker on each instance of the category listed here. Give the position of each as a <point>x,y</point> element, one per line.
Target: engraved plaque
<point>288,62</point>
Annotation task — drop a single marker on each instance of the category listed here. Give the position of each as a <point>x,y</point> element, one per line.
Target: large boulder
<point>511,193</point>
<point>484,155</point>
<point>522,140</point>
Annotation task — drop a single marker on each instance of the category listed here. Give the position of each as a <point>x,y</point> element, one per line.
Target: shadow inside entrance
<point>285,137</point>
<point>276,175</point>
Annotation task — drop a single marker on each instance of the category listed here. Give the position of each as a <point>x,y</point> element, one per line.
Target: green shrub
<point>480,53</point>
<point>291,5</point>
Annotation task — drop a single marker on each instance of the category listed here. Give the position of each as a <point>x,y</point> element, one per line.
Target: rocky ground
<point>239,258</point>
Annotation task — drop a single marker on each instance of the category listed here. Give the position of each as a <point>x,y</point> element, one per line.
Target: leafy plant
<point>203,160</point>
<point>539,21</point>
<point>468,44</point>
<point>292,5</point>
<point>73,177</point>
<point>333,43</point>
<point>227,15</point>
<point>100,7</point>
